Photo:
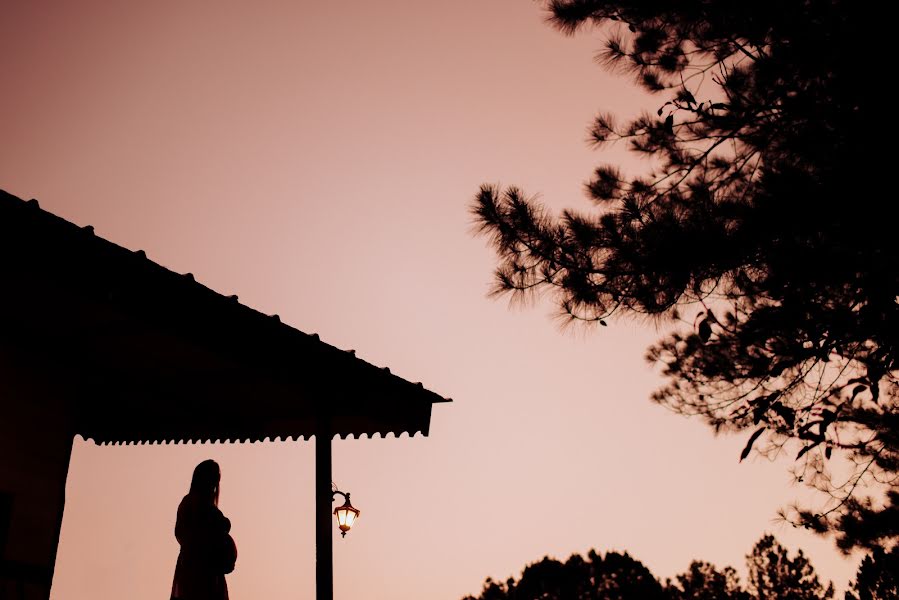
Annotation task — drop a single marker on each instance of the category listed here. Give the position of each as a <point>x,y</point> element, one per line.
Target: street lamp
<point>346,514</point>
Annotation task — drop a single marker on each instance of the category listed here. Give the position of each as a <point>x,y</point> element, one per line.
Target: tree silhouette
<point>758,220</point>
<point>877,578</point>
<point>620,577</point>
<point>703,581</point>
<point>554,580</point>
<point>773,575</point>
<point>493,591</point>
<point>613,577</point>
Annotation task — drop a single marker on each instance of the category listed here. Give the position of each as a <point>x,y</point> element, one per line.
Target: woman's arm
<point>223,523</point>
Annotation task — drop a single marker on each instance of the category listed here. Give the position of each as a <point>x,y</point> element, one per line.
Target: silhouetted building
<point>100,341</point>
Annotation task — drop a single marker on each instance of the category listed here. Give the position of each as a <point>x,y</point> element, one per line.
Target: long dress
<point>199,528</point>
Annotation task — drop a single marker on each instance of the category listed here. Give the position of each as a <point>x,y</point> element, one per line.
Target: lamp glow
<point>346,514</point>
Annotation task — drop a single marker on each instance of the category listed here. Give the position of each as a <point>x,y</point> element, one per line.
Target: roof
<point>143,354</point>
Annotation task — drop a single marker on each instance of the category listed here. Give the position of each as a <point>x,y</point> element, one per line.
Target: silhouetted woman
<point>202,530</point>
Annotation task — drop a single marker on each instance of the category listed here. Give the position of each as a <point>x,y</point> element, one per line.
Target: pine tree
<point>878,577</point>
<point>703,581</point>
<point>761,231</point>
<point>773,575</point>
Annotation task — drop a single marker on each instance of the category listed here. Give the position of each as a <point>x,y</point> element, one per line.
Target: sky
<point>319,160</point>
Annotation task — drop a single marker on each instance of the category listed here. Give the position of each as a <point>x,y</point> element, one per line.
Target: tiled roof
<point>144,354</point>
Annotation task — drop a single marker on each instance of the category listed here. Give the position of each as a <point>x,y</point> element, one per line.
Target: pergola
<point>100,341</point>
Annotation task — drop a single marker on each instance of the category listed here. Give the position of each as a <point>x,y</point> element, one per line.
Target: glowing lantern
<point>346,514</point>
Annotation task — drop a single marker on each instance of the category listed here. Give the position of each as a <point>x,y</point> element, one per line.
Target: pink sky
<point>318,159</point>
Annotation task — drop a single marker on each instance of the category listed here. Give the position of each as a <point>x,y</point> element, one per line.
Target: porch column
<point>324,565</point>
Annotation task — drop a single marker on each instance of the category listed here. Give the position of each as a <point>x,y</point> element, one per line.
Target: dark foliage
<point>612,577</point>
<point>616,576</point>
<point>773,575</point>
<point>762,220</point>
<point>878,577</point>
<point>703,581</point>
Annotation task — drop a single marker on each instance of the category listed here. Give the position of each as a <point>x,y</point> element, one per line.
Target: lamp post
<point>324,560</point>
<point>346,516</point>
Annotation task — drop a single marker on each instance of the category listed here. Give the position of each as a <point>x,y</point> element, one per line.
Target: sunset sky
<point>318,160</point>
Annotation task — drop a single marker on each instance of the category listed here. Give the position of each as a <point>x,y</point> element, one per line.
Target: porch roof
<point>149,355</point>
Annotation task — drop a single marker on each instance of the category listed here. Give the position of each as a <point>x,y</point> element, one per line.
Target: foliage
<point>703,581</point>
<point>618,576</point>
<point>760,217</point>
<point>878,577</point>
<point>612,577</point>
<point>773,575</point>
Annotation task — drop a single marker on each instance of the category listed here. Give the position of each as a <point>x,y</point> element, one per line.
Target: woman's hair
<point>205,482</point>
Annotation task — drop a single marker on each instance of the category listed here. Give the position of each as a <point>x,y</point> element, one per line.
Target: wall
<point>36,433</point>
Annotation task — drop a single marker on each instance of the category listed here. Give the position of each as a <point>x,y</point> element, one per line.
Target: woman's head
<point>205,482</point>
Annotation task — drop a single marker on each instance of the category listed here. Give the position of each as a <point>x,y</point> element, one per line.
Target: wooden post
<point>324,559</point>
